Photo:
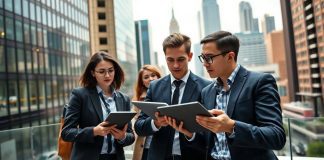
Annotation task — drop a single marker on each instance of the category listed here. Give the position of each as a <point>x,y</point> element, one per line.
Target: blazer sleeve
<point>130,138</point>
<point>71,132</point>
<point>143,123</point>
<point>267,132</point>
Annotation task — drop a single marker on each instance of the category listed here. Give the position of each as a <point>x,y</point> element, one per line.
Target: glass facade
<point>125,42</point>
<point>44,46</point>
<point>144,50</point>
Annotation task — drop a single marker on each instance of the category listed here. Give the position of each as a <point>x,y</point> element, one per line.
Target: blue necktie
<point>108,111</point>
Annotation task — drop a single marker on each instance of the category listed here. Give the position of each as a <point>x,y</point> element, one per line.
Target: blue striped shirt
<point>220,150</point>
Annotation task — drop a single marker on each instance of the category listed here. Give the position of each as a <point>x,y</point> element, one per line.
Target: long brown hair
<point>139,86</point>
<point>87,80</point>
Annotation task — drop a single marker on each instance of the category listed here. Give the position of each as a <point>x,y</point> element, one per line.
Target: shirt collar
<point>113,91</point>
<point>184,78</point>
<point>230,79</point>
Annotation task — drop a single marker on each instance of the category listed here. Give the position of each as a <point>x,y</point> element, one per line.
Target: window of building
<point>33,34</point>
<point>33,95</point>
<point>104,50</point>
<point>13,97</point>
<point>20,60</point>
<point>26,33</point>
<point>38,14</point>
<point>103,41</point>
<point>32,11</point>
<point>35,60</point>
<point>23,95</point>
<point>8,5</point>
<point>29,62</point>
<point>282,90</point>
<point>25,8</point>
<point>101,15</point>
<point>102,28</point>
<point>9,28</point>
<point>44,16</point>
<point>19,31</point>
<point>3,98</point>
<point>101,3</point>
<point>2,60</point>
<point>41,94</point>
<point>11,60</point>
<point>18,7</point>
<point>49,95</point>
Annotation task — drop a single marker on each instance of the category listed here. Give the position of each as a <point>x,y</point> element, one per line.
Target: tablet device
<point>149,108</point>
<point>120,118</point>
<point>187,112</point>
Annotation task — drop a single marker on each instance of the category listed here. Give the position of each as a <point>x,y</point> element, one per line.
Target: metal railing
<point>305,140</point>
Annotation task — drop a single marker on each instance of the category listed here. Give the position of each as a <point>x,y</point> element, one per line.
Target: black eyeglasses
<point>209,59</point>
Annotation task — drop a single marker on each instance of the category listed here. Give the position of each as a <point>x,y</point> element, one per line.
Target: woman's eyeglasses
<point>103,72</point>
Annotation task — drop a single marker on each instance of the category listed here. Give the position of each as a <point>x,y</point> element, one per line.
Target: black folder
<point>186,112</point>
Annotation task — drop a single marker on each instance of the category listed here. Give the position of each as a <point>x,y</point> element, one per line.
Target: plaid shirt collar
<point>230,79</point>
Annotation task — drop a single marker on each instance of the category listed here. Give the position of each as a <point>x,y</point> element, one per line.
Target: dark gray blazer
<point>85,111</point>
<point>254,104</point>
<point>161,145</point>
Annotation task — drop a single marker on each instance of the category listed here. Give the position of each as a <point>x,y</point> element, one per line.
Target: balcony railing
<point>305,140</point>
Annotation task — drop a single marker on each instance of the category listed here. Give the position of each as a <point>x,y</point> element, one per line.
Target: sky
<point>158,12</point>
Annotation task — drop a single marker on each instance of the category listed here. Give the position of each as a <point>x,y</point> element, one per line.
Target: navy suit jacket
<point>254,104</point>
<point>82,115</point>
<point>161,145</point>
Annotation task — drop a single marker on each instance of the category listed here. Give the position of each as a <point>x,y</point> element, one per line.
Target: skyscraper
<point>43,50</point>
<point>174,26</point>
<point>252,49</point>
<point>211,16</point>
<point>143,43</point>
<point>268,24</point>
<point>255,26</point>
<point>275,53</point>
<point>308,41</point>
<point>246,17</point>
<point>112,30</point>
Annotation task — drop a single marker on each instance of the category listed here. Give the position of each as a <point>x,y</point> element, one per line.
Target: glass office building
<point>44,46</point>
<point>125,42</point>
<point>112,30</point>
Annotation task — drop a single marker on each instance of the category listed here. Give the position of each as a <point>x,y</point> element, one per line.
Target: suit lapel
<point>212,96</point>
<point>189,89</point>
<point>236,90</point>
<point>96,103</point>
<point>165,89</point>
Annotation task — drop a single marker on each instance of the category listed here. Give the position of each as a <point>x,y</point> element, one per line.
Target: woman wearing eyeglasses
<point>90,105</point>
<point>146,74</point>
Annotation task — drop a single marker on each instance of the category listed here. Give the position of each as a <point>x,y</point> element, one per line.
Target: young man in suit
<point>172,142</point>
<point>246,105</point>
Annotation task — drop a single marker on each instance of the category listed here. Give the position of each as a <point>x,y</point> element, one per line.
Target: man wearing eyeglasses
<point>246,105</point>
<point>171,141</point>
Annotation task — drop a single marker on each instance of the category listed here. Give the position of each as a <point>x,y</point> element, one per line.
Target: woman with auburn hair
<point>89,106</point>
<point>146,74</point>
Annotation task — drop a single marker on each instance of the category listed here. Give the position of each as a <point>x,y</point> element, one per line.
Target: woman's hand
<point>102,129</point>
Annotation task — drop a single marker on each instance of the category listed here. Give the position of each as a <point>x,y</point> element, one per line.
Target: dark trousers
<point>108,157</point>
<point>174,157</point>
<point>145,153</point>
